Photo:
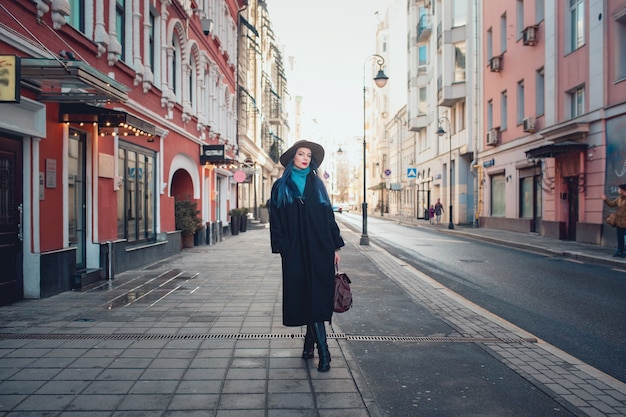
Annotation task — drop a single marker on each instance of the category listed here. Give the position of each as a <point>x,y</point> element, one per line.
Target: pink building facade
<point>554,116</point>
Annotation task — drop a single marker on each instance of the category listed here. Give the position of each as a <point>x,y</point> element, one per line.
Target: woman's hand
<point>337,258</point>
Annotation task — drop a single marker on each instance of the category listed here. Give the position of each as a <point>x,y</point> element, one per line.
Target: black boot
<point>319,331</point>
<point>309,344</point>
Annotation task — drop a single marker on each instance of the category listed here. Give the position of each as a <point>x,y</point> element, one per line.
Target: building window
<point>504,111</point>
<point>539,5</point>
<point>459,62</point>
<point>577,24</point>
<point>136,198</point>
<point>152,54</point>
<point>540,93</point>
<point>462,115</point>
<point>423,101</point>
<point>498,195</point>
<point>174,79</point>
<point>120,25</point>
<point>490,115</point>
<point>503,33</point>
<point>620,49</point>
<point>459,17</point>
<point>423,57</point>
<point>489,44</point>
<point>192,84</point>
<point>577,102</point>
<point>519,19</point>
<point>76,19</point>
<point>520,102</point>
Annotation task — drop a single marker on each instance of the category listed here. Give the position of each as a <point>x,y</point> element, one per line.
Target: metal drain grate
<point>440,339</point>
<point>257,336</point>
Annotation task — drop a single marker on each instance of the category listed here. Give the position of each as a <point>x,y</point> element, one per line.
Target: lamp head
<point>381,79</point>
<point>440,131</point>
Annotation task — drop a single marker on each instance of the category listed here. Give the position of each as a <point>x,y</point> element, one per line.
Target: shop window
<point>136,205</point>
<point>498,195</point>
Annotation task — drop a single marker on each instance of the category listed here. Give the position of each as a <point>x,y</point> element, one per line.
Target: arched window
<point>193,83</point>
<point>174,79</point>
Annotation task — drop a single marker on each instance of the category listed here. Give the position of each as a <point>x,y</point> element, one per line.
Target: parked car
<point>337,208</point>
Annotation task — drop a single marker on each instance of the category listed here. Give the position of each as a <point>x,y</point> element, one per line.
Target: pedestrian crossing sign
<point>411,173</point>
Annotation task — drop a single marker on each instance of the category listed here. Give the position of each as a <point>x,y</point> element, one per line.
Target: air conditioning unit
<point>529,35</point>
<point>495,63</point>
<point>492,136</point>
<point>530,124</point>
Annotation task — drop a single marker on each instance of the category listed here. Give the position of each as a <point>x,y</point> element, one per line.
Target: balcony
<point>419,122</point>
<point>424,28</point>
<point>450,93</point>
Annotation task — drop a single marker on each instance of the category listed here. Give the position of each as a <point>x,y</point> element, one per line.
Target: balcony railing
<point>424,28</point>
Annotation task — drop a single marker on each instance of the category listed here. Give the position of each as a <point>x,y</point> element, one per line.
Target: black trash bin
<point>426,215</point>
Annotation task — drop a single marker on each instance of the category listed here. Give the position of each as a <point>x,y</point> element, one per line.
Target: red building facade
<point>105,109</point>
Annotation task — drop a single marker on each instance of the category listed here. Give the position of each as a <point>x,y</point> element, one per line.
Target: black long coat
<point>306,235</point>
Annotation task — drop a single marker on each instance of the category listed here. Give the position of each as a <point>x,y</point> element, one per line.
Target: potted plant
<point>235,221</point>
<point>244,219</point>
<point>264,213</point>
<point>187,220</point>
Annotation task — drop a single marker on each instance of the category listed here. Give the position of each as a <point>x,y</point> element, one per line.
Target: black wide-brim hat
<point>316,151</point>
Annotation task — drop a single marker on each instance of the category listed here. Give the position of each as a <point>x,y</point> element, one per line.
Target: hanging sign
<point>10,76</point>
<point>239,176</point>
<point>212,154</point>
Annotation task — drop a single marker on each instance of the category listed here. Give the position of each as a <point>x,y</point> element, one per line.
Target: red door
<point>11,280</point>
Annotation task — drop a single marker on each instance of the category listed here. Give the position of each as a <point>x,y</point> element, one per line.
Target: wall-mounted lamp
<point>509,177</point>
<point>207,26</point>
<point>591,152</point>
<point>67,55</point>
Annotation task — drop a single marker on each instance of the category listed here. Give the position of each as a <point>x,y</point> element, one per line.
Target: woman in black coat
<point>303,230</point>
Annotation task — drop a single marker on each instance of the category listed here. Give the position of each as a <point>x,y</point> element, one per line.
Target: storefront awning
<point>110,122</point>
<point>555,149</point>
<point>70,81</point>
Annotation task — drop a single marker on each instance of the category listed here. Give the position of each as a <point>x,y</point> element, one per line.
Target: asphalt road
<point>577,307</point>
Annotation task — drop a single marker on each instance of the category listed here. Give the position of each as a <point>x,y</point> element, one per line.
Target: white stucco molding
<point>184,162</point>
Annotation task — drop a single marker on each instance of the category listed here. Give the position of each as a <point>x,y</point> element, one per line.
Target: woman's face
<point>621,191</point>
<point>302,159</point>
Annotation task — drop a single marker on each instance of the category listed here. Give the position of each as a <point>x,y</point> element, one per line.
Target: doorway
<point>77,203</point>
<point>572,206</point>
<point>11,216</point>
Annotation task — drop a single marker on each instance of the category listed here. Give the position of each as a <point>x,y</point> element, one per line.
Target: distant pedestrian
<point>620,213</point>
<point>304,231</point>
<point>438,210</point>
<point>431,214</point>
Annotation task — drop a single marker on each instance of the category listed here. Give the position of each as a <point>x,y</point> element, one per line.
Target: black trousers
<point>621,232</point>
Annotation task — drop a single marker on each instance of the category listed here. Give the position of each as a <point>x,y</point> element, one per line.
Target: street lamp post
<point>381,80</point>
<point>441,132</point>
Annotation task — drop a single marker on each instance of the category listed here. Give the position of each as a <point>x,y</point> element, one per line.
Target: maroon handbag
<point>343,293</point>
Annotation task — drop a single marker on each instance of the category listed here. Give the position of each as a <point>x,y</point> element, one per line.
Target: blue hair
<point>286,189</point>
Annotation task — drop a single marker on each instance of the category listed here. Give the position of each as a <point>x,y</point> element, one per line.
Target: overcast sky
<point>330,41</point>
